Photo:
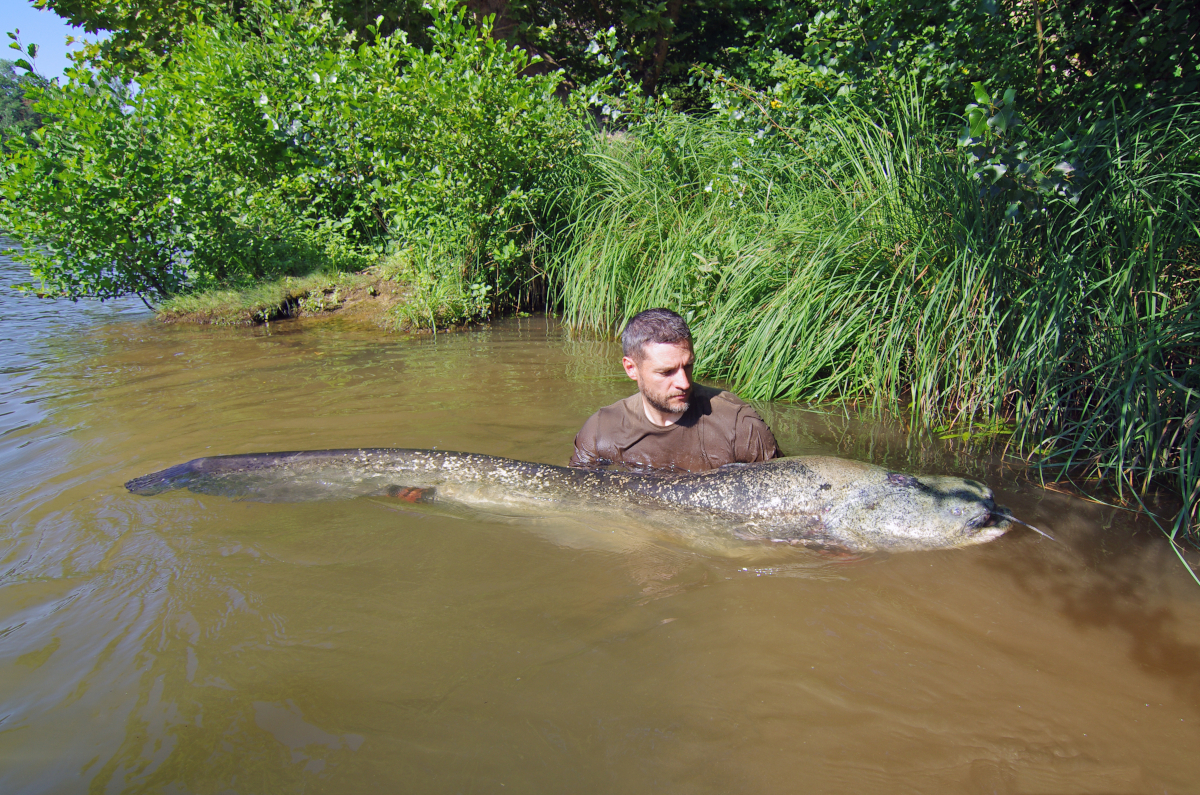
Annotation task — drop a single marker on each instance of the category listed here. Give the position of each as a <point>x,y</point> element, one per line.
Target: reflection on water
<point>185,643</point>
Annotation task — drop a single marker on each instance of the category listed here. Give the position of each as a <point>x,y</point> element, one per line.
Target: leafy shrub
<point>439,296</point>
<point>17,119</point>
<point>276,143</point>
<point>160,187</point>
<point>454,149</point>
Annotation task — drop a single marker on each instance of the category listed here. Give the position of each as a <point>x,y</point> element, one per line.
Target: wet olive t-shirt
<point>717,429</point>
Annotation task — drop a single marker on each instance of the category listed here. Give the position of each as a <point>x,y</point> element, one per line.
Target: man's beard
<point>678,408</point>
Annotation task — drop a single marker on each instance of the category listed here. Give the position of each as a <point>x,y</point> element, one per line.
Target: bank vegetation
<point>983,219</point>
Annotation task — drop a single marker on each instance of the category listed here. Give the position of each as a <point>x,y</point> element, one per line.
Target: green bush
<point>17,119</point>
<point>276,143</point>
<point>455,148</point>
<point>172,184</point>
<point>439,296</point>
<point>1067,60</point>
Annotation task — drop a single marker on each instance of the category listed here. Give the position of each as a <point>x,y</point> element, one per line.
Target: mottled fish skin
<point>816,501</point>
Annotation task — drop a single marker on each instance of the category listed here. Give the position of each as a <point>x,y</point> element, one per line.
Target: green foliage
<point>454,148</point>
<point>1068,60</point>
<point>1011,171</point>
<point>1066,56</point>
<point>1106,316</point>
<point>656,41</point>
<point>439,295</point>
<point>273,146</point>
<point>123,191</point>
<point>17,117</point>
<point>142,34</point>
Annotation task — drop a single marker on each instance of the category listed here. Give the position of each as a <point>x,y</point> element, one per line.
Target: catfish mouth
<point>990,518</point>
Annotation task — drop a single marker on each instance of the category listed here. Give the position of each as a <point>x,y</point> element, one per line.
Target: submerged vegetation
<point>892,206</point>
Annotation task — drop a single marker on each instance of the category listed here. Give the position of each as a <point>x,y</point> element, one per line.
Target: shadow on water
<point>1111,570</point>
<point>1119,573</point>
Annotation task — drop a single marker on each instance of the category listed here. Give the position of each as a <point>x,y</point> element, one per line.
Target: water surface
<point>185,643</point>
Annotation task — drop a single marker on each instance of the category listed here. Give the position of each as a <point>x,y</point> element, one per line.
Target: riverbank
<point>401,292</point>
<point>369,297</point>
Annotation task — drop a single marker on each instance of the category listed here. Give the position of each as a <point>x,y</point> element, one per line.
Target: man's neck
<point>662,419</point>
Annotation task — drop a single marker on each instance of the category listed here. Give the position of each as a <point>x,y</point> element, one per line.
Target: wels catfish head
<point>906,512</point>
<point>862,507</point>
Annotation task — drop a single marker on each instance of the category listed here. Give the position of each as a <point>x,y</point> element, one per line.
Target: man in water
<point>671,422</point>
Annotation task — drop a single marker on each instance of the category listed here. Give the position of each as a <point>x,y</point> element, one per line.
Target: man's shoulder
<point>720,399</point>
<point>735,421</point>
<point>605,432</point>
<point>621,412</point>
<point>631,406</point>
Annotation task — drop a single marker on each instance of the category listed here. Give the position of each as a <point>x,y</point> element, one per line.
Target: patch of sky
<point>47,30</point>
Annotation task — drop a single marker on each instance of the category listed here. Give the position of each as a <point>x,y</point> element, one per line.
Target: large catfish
<point>814,501</point>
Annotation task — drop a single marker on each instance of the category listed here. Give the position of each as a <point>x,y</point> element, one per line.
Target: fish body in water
<point>815,501</point>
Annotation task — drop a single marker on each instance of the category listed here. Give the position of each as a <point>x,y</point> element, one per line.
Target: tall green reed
<point>1106,365</point>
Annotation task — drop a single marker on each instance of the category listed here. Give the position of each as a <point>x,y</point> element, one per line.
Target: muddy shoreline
<point>367,298</point>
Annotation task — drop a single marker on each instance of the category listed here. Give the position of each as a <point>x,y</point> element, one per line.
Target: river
<point>193,644</point>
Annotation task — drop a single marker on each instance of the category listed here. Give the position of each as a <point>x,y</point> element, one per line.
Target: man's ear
<point>630,367</point>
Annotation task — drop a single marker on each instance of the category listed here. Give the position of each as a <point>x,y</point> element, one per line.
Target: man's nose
<point>681,381</point>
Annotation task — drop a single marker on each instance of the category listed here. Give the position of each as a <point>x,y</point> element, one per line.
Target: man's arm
<point>753,439</point>
<point>585,454</point>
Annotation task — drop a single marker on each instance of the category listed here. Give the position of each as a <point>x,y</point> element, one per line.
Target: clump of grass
<point>439,296</point>
<point>1102,359</point>
<point>859,260</point>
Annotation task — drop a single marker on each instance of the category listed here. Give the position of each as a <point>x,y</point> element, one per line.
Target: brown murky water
<point>193,644</point>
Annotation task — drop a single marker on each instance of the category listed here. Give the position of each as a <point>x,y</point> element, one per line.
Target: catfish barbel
<point>815,501</point>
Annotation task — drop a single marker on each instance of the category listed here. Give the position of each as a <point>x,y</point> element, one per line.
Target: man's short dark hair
<point>653,325</point>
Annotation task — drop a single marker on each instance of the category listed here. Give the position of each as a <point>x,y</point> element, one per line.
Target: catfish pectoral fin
<point>412,494</point>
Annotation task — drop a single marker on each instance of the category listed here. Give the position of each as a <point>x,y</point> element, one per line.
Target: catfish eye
<point>900,479</point>
<point>956,511</point>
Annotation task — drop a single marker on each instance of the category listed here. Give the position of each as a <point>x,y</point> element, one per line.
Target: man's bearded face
<point>664,375</point>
